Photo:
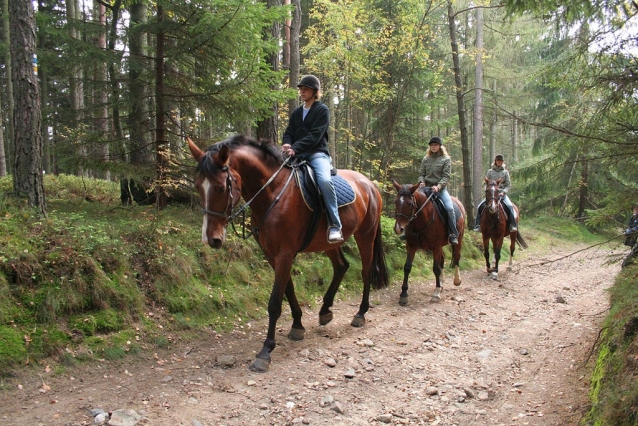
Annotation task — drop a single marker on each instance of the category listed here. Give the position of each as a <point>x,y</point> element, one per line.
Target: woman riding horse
<point>242,167</point>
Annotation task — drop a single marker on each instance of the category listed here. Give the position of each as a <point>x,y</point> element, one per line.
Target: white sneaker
<point>334,235</point>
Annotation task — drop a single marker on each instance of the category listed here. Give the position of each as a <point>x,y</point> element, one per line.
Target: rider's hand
<point>435,188</point>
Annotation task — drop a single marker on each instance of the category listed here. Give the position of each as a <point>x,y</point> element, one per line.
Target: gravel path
<point>506,352</point>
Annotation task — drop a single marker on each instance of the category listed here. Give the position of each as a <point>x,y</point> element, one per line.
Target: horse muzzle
<point>215,243</point>
<point>398,228</point>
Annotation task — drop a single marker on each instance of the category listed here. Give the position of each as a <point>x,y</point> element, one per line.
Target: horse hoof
<point>457,282</point>
<point>296,334</point>
<point>325,319</point>
<point>435,299</point>
<point>260,365</point>
<point>358,321</point>
<point>494,275</point>
<point>403,300</point>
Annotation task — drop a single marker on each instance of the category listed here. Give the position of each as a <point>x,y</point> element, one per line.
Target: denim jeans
<point>444,196</point>
<point>321,163</point>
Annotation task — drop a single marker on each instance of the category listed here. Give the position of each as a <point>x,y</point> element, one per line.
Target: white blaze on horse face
<point>206,188</point>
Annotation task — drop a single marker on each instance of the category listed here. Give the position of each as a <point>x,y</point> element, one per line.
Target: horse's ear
<point>396,185</point>
<point>414,187</point>
<point>195,151</point>
<point>221,158</point>
<point>499,181</point>
<point>486,180</point>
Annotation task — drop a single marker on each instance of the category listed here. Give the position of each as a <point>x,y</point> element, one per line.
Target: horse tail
<point>520,240</point>
<point>378,270</point>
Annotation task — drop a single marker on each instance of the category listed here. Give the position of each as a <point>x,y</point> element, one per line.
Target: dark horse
<point>244,167</point>
<point>494,226</point>
<point>416,216</point>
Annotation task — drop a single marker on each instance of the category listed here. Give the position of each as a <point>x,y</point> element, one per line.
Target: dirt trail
<point>506,352</point>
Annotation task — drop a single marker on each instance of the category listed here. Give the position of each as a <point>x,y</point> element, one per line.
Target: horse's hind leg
<point>456,257</point>
<point>437,254</point>
<point>340,266</point>
<point>512,250</point>
<point>407,267</point>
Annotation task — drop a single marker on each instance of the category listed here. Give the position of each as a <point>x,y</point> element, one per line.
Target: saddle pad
<point>345,193</point>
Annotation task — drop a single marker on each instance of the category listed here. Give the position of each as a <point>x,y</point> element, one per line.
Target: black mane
<point>271,152</point>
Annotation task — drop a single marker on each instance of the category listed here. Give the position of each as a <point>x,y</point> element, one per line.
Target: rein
<point>416,213</point>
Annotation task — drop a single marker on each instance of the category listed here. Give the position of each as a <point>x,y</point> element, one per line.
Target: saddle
<point>438,204</point>
<point>307,183</point>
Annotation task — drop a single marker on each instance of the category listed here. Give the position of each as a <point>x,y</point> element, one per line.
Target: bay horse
<point>243,167</point>
<point>494,227</point>
<point>417,217</point>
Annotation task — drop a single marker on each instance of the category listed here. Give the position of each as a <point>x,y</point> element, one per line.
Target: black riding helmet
<point>499,157</point>
<point>310,81</point>
<point>435,139</point>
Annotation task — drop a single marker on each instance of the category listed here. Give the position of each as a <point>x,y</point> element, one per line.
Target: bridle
<point>414,211</point>
<point>492,197</point>
<point>230,202</point>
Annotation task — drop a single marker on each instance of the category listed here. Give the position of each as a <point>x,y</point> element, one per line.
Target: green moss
<point>12,348</point>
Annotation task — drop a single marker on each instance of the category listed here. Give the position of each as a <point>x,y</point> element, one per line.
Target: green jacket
<point>499,172</point>
<point>436,171</point>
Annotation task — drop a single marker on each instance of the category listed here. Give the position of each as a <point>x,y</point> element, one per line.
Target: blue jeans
<point>321,163</point>
<point>444,196</point>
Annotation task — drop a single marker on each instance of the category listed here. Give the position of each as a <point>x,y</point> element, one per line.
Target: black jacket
<point>310,135</point>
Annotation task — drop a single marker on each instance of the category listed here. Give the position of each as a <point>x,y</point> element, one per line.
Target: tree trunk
<point>267,128</point>
<point>583,190</point>
<point>9,136</point>
<point>477,157</point>
<point>27,115</point>
<point>467,172</point>
<point>160,134</point>
<point>295,61</point>
<point>138,118</point>
<point>102,112</point>
<point>76,86</point>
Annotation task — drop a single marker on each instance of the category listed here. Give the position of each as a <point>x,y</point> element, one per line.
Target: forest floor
<point>512,351</point>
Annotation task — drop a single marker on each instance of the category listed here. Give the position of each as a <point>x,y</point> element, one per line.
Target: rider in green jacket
<point>496,172</point>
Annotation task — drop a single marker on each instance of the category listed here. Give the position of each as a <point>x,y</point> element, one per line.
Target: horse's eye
<point>220,189</point>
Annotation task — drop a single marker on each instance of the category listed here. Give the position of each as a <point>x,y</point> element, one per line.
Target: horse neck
<point>254,174</point>
<point>426,212</point>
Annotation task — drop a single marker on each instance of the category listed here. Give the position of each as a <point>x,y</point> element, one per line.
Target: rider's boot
<point>453,232</point>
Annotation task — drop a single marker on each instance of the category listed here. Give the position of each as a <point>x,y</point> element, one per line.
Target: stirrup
<point>513,228</point>
<point>453,239</point>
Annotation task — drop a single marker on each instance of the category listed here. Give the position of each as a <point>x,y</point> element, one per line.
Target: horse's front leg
<point>339,266</point>
<point>297,331</point>
<point>437,254</point>
<point>497,258</point>
<point>407,267</point>
<point>486,253</point>
<point>282,279</point>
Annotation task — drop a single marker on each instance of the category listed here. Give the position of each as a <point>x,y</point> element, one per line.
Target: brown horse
<point>244,167</point>
<point>417,217</point>
<point>494,226</point>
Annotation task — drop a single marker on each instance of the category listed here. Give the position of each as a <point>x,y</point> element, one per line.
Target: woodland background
<point>96,99</point>
<point>111,89</point>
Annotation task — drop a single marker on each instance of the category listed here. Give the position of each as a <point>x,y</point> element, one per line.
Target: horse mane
<point>271,152</point>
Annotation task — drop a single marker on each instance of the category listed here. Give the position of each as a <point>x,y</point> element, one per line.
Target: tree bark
<point>477,157</point>
<point>27,115</point>
<point>295,57</point>
<point>267,128</point>
<point>467,172</point>
<point>160,134</point>
<point>9,138</point>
